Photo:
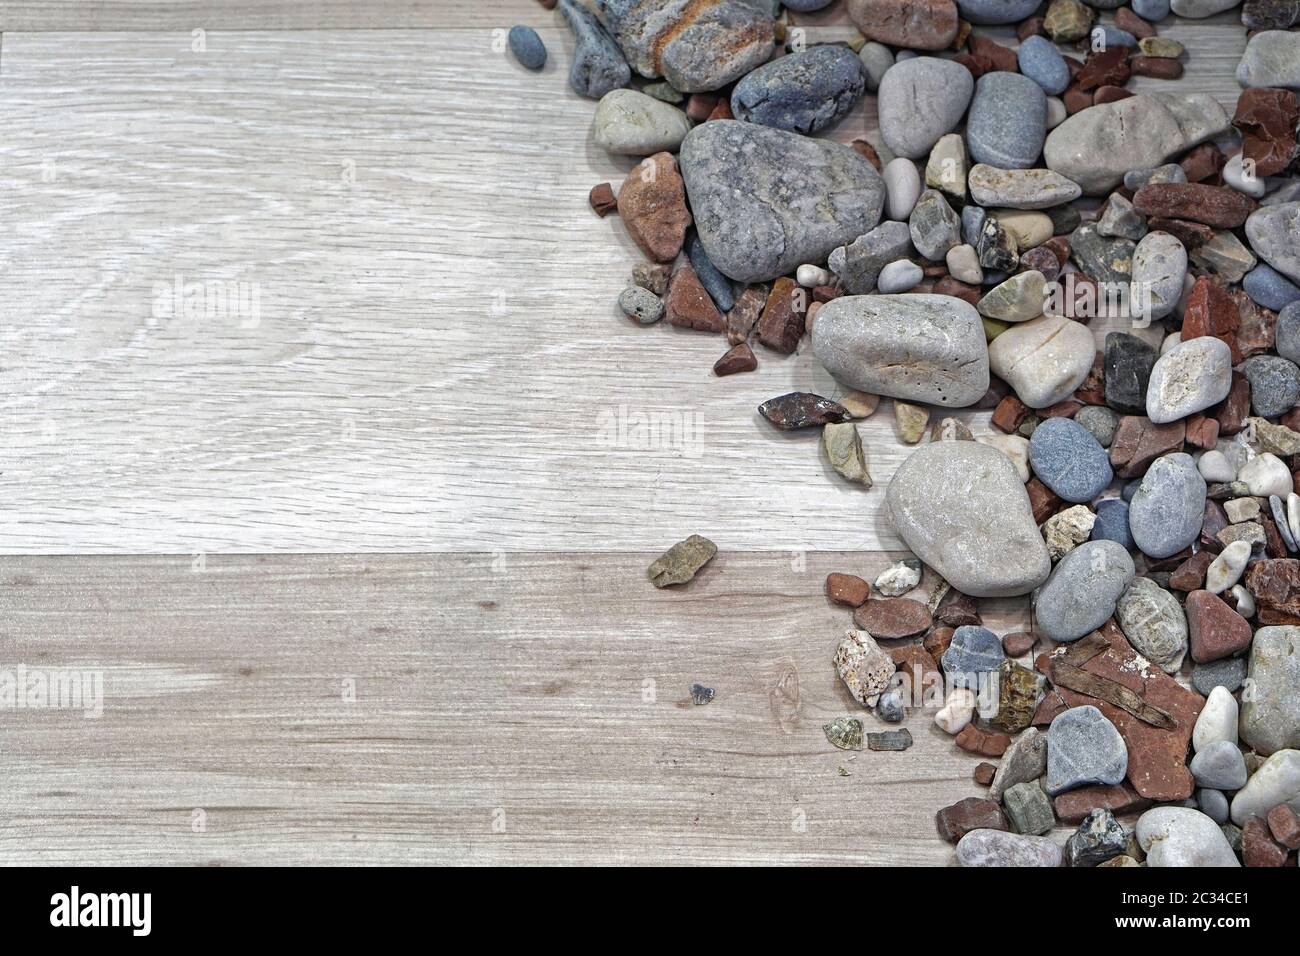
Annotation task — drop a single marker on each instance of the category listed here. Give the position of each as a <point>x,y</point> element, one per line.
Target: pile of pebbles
<point>1141,496</point>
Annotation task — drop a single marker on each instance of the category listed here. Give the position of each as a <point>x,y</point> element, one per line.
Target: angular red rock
<point>1190,575</point>
<point>1232,411</point>
<point>1138,442</point>
<point>1258,848</point>
<point>1214,630</point>
<point>847,589</point>
<point>1071,807</point>
<point>892,617</point>
<point>1275,584</point>
<point>738,358</point>
<point>1284,824</point>
<point>689,306</point>
<point>973,813</point>
<point>1218,206</point>
<point>911,24</point>
<point>982,742</point>
<point>652,204</point>
<point>1212,311</point>
<point>1267,120</point>
<point>782,324</point>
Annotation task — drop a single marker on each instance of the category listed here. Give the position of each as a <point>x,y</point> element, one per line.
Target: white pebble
<point>1015,447</point>
<point>964,264</point>
<point>809,275</point>
<point>1266,475</point>
<point>897,579</point>
<point>1170,340</point>
<point>957,710</point>
<point>1293,515</point>
<point>1056,112</point>
<point>1217,720</point>
<point>1226,570</point>
<point>902,186</point>
<point>899,276</point>
<point>1245,601</point>
<point>1235,176</point>
<point>1215,466</point>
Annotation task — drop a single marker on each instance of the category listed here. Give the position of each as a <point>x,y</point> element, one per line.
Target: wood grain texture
<point>436,362</point>
<point>552,689</point>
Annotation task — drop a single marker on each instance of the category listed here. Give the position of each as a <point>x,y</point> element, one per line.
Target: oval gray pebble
<point>641,304</point>
<point>1007,122</point>
<point>1168,508</point>
<point>1069,460</point>
<point>803,92</point>
<point>527,47</point>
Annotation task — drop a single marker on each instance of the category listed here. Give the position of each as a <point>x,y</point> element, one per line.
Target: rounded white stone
<point>899,276</point>
<point>1044,359</point>
<point>1181,836</point>
<point>1245,601</point>
<point>1234,175</point>
<point>1226,569</point>
<point>1266,475</point>
<point>957,710</point>
<point>1215,466</point>
<point>1189,378</point>
<point>1276,781</point>
<point>1015,447</point>
<point>902,188</point>
<point>964,264</point>
<point>809,276</point>
<point>1217,720</point>
<point>630,123</point>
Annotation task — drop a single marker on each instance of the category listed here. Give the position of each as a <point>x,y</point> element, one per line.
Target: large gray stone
<point>766,201</point>
<point>1082,591</point>
<point>963,510</point>
<point>1274,234</point>
<point>1083,748</point>
<point>1181,836</point>
<point>803,92</point>
<point>921,348</point>
<point>1007,121</point>
<point>1276,781</point>
<point>1168,507</point>
<point>1270,712</point>
<point>919,101</point>
<point>1189,378</point>
<point>1098,145</point>
<point>1271,58</point>
<point>696,45</point>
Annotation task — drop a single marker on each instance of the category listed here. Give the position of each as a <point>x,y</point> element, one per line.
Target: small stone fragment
<point>865,669</point>
<point>893,617</point>
<point>847,589</point>
<point>682,561</point>
<point>890,740</point>
<point>652,204</point>
<point>911,421</point>
<point>802,410</point>
<point>844,732</point>
<point>899,578</point>
<point>701,695</point>
<point>1100,837</point>
<point>842,446</point>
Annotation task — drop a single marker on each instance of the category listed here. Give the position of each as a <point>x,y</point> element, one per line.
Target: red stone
<point>1110,94</point>
<point>1214,630</point>
<point>1204,164</point>
<point>782,323</point>
<point>1232,411</point>
<point>1001,57</point>
<point>1066,409</point>
<point>688,306</point>
<point>1218,206</point>
<point>1159,67</point>
<point>602,199</point>
<point>892,617</point>
<point>738,358</point>
<point>984,773</point>
<point>1018,643</point>
<point>1093,389</point>
<point>1211,311</point>
<point>1042,500</point>
<point>977,65</point>
<point>722,111</point>
<point>1202,432</point>
<point>868,152</point>
<point>1072,807</point>
<point>700,106</point>
<point>1258,848</point>
<point>744,315</point>
<point>950,286</point>
<point>921,672</point>
<point>973,813</point>
<point>1126,19</point>
<point>1009,414</point>
<point>1190,234</point>
<point>1215,520</point>
<point>1267,121</point>
<point>1257,328</point>
<point>1033,27</point>
<point>1157,757</point>
<point>982,742</point>
<point>652,203</point>
<point>937,641</point>
<point>847,589</point>
<point>911,24</point>
<point>1138,442</point>
<point>1190,575</point>
<point>1076,100</point>
<point>1284,824</point>
<point>1109,67</point>
<point>1275,583</point>
<point>960,610</point>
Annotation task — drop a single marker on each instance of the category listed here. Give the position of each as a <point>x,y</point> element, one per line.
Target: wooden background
<point>399,477</point>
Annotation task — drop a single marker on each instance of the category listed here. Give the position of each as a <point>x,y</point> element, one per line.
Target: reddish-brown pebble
<point>738,358</point>
<point>984,773</point>
<point>1110,94</point>
<point>1093,389</point>
<point>782,324</point>
<point>1066,409</point>
<point>978,65</point>
<point>1190,575</point>
<point>1002,58</point>
<point>1109,67</point>
<point>892,617</point>
<point>1214,630</point>
<point>1042,500</point>
<point>1202,432</point>
<point>689,306</point>
<point>937,641</point>
<point>745,313</point>
<point>1033,27</point>
<point>1276,587</point>
<point>1072,807</point>
<point>954,287</point>
<point>722,111</point>
<point>1211,311</point>
<point>1258,848</point>
<point>1041,259</point>
<point>1218,206</point>
<point>602,199</point>
<point>1284,824</point>
<point>847,589</point>
<point>1258,329</point>
<point>1138,442</point>
<point>1215,520</point>
<point>911,24</point>
<point>958,611</point>
<point>700,105</point>
<point>1126,19</point>
<point>1018,643</point>
<point>1204,164</point>
<point>1190,234</point>
<point>652,203</point>
<point>1076,100</point>
<point>866,150</point>
<point>973,813</point>
<point>1010,412</point>
<point>1267,120</point>
<point>982,742</point>
<point>919,667</point>
<point>825,293</point>
<point>1231,413</point>
<point>1157,67</point>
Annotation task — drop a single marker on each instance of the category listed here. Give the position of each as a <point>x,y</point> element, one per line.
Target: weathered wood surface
<point>436,362</point>
<point>544,693</point>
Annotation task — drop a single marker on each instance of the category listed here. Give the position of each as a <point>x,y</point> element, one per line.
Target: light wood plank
<point>483,683</point>
<point>438,363</point>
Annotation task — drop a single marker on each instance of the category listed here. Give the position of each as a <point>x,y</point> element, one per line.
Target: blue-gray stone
<point>1135,179</point>
<point>1229,673</point>
<point>1099,838</point>
<point>715,283</point>
<point>598,63</point>
<point>1168,509</point>
<point>990,12</point>
<point>1131,489</point>
<point>1276,506</point>
<point>1213,804</point>
<point>1069,460</point>
<point>1269,288</point>
<point>1081,593</point>
<point>527,47</point>
<point>1083,748</point>
<point>1287,341</point>
<point>890,707</point>
<point>807,6</point>
<point>803,92</point>
<point>1220,766</point>
<point>974,650</point>
<point>972,224</point>
<point>1274,384</point>
<point>1153,10</point>
<point>1007,122</point>
<point>1112,523</point>
<point>1105,37</point>
<point>1042,62</point>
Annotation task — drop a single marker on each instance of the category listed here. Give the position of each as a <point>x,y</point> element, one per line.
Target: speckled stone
<point>1083,748</point>
<point>1112,523</point>
<point>1099,420</point>
<point>598,65</point>
<point>1229,673</point>
<point>1168,508</point>
<point>989,12</point>
<point>803,92</point>
<point>1069,460</point>
<point>934,226</point>
<point>1154,623</point>
<point>999,848</point>
<point>954,504</point>
<point>1287,340</point>
<point>1128,364</point>
<point>1274,384</point>
<point>1007,121</point>
<point>1158,271</point>
<point>1276,781</point>
<point>767,201</point>
<point>629,123</point>
<point>1270,717</point>
<point>1083,590</point>
<point>1271,59</point>
<point>1189,378</point>
<point>1020,188</point>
